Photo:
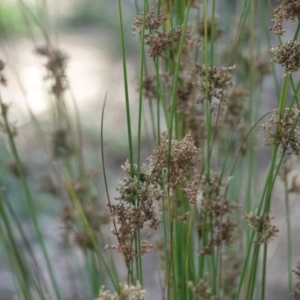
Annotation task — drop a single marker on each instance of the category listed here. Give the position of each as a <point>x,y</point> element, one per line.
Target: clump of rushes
<point>205,104</point>
<point>286,134</point>
<point>262,225</point>
<point>296,293</point>
<point>127,292</point>
<point>287,55</point>
<point>135,207</point>
<point>287,10</point>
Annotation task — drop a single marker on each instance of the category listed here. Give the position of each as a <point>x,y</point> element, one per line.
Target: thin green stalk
<point>245,267</point>
<point>288,238</point>
<point>128,117</point>
<point>160,99</point>
<point>283,96</point>
<point>22,273</point>
<point>212,44</point>
<point>213,265</point>
<point>207,101</point>
<point>17,269</point>
<point>137,240</point>
<point>203,242</point>
<point>253,273</point>
<point>189,259</point>
<point>41,284</point>
<point>264,271</point>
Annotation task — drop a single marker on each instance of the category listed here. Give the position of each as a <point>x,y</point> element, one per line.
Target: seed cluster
<point>287,55</point>
<point>182,160</point>
<point>3,80</point>
<point>287,10</point>
<point>128,292</point>
<point>262,225</point>
<point>135,206</point>
<point>233,105</point>
<point>212,81</point>
<point>286,132</point>
<point>135,209</point>
<point>76,221</point>
<point>202,290</point>
<point>220,211</point>
<point>56,67</point>
<point>160,41</point>
<point>151,22</point>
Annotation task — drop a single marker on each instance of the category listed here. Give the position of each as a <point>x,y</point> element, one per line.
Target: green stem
<point>28,198</point>
<point>289,238</point>
<point>128,117</point>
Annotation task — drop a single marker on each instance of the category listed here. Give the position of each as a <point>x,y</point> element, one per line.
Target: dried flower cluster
<point>214,32</point>
<point>4,107</point>
<point>149,87</point>
<point>233,105</point>
<point>3,80</point>
<point>56,66</point>
<point>288,56</point>
<point>135,209</point>
<point>202,290</point>
<point>61,143</point>
<point>3,124</point>
<point>151,22</point>
<point>13,168</point>
<point>128,292</point>
<point>290,175</point>
<point>182,160</point>
<point>215,204</point>
<point>82,237</point>
<point>48,186</point>
<point>286,132</point>
<point>193,116</point>
<point>296,293</point>
<point>262,225</point>
<point>287,10</point>
<point>160,41</point>
<point>213,81</point>
<point>232,268</point>
<point>257,62</point>
<point>83,227</point>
